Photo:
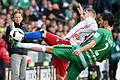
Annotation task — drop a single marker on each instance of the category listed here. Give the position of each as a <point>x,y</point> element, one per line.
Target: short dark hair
<point>109,17</point>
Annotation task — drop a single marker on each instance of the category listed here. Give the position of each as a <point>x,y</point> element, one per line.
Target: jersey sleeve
<point>97,36</point>
<point>92,24</point>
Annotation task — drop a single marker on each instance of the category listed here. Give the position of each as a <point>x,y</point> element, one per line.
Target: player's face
<point>18,18</point>
<point>84,15</point>
<point>101,23</point>
<point>105,23</point>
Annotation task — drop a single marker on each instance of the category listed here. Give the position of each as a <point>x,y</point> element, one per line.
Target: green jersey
<point>104,40</point>
<point>104,44</point>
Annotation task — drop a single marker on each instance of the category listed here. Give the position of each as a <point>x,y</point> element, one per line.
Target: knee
<point>58,77</point>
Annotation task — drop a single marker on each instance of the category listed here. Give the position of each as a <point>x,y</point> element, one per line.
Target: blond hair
<point>90,11</point>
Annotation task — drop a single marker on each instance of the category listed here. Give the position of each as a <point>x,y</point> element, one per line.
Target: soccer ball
<point>16,35</point>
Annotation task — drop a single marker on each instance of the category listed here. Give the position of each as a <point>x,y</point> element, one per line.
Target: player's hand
<point>76,52</point>
<point>80,9</point>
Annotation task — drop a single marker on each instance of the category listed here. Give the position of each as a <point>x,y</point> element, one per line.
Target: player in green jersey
<point>97,49</point>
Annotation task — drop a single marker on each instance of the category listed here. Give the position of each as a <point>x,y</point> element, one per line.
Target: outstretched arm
<point>36,47</point>
<point>85,48</point>
<point>80,9</point>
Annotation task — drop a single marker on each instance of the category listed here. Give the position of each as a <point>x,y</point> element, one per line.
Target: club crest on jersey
<point>96,35</point>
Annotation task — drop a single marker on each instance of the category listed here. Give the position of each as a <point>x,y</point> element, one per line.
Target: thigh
<point>63,51</point>
<point>15,61</point>
<point>15,66</point>
<point>24,59</point>
<point>52,39</point>
<point>60,59</point>
<point>23,63</point>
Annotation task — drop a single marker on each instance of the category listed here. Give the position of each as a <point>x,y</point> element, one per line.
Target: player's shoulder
<point>90,20</point>
<point>102,30</point>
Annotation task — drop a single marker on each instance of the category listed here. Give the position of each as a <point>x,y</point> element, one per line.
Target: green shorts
<point>65,52</point>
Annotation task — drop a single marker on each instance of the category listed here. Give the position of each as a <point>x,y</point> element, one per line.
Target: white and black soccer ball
<point>16,35</point>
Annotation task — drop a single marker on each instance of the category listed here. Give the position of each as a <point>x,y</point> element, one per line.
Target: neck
<point>108,27</point>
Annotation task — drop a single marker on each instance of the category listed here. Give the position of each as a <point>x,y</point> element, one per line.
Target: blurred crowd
<point>59,16</point>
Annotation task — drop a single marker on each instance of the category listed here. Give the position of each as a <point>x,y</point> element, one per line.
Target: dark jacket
<point>12,50</point>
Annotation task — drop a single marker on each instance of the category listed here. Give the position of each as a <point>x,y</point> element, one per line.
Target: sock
<point>33,35</point>
<point>31,45</point>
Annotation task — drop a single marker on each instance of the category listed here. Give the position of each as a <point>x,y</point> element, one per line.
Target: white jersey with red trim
<point>86,29</point>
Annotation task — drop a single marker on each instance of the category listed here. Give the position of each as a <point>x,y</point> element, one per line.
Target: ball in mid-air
<point>16,35</point>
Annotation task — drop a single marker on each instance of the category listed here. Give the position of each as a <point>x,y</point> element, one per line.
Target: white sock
<point>30,45</point>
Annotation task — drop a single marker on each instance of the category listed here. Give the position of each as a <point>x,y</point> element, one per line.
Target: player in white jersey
<point>83,29</point>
